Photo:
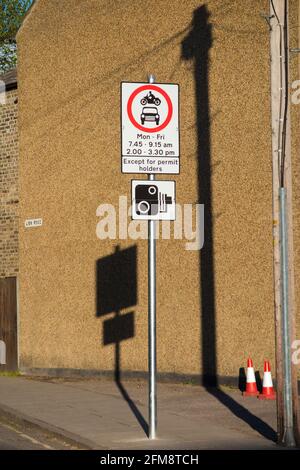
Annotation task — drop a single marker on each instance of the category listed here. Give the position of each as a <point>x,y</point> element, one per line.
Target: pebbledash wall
<point>9,198</point>
<point>214,307</point>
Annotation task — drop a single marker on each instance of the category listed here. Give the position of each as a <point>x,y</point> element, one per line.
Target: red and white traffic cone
<point>268,392</point>
<point>251,388</point>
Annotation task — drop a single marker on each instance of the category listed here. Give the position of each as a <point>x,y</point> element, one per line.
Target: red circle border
<point>169,103</point>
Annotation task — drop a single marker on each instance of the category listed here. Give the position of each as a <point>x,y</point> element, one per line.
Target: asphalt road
<point>11,439</point>
<point>18,436</point>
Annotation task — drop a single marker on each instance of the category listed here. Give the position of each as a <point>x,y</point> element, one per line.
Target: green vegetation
<point>15,373</point>
<point>11,16</point>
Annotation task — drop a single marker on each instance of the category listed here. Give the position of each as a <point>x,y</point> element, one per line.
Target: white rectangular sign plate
<point>150,128</point>
<point>33,223</point>
<point>153,200</point>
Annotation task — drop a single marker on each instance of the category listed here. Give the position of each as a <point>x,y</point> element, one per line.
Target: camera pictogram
<point>150,201</point>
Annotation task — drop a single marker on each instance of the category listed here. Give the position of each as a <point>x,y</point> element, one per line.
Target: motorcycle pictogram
<point>150,99</point>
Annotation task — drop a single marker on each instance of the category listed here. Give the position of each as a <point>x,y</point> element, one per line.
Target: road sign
<point>33,223</point>
<point>153,200</point>
<point>150,128</point>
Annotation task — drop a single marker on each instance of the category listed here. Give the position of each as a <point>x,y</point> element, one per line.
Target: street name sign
<point>153,200</point>
<point>29,223</point>
<point>150,128</point>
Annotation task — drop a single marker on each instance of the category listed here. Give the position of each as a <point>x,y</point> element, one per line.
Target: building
<point>9,212</point>
<point>214,306</point>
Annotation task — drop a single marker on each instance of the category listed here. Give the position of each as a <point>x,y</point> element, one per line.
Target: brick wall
<point>9,186</point>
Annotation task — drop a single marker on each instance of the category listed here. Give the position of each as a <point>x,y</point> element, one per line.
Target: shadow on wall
<point>195,48</point>
<point>116,290</point>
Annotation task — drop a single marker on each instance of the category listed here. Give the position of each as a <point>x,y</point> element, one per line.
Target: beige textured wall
<point>72,57</point>
<point>9,195</point>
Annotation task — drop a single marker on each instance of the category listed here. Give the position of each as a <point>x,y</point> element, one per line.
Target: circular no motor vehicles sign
<point>149,108</point>
<point>150,127</point>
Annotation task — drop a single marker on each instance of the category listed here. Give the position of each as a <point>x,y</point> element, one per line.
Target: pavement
<point>100,414</point>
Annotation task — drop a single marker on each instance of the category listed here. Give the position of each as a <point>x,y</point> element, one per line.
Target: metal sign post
<point>152,318</point>
<point>288,435</point>
<point>283,256</point>
<point>152,200</point>
<point>150,145</point>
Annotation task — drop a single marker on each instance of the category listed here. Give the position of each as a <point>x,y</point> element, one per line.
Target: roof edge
<point>10,79</point>
<point>27,15</point>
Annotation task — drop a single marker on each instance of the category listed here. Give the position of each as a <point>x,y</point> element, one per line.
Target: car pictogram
<point>150,114</point>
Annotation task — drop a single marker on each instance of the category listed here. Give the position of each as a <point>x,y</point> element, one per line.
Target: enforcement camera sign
<point>150,128</point>
<point>153,200</point>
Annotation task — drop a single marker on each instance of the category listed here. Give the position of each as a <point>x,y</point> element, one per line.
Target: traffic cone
<point>251,388</point>
<point>267,390</point>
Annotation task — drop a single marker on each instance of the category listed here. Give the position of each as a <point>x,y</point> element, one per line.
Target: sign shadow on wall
<point>195,48</point>
<point>116,290</point>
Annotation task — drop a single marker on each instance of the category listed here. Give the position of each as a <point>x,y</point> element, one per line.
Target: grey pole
<point>288,434</point>
<point>152,317</point>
